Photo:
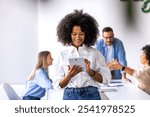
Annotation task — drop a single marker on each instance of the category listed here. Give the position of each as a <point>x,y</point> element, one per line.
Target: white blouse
<point>143,76</point>
<point>82,79</point>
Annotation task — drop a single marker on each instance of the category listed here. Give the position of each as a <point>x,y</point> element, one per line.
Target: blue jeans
<point>30,98</point>
<point>84,93</point>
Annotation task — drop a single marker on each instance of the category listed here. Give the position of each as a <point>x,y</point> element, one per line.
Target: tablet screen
<point>77,61</point>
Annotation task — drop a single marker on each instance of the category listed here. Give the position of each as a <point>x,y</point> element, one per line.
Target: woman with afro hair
<point>78,32</point>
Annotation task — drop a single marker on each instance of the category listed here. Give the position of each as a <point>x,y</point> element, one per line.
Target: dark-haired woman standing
<point>78,31</point>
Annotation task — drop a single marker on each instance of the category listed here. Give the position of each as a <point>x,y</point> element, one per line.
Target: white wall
<point>23,22</point>
<point>107,13</point>
<point>18,39</point>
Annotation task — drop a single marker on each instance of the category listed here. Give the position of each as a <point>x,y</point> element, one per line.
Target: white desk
<point>125,92</point>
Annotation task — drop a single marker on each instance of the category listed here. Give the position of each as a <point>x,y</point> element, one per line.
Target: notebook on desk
<point>116,83</point>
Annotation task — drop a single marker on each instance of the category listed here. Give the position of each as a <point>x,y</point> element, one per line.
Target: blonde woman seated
<point>39,80</point>
<point>143,74</point>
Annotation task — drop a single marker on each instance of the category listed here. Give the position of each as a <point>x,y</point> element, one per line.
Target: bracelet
<point>123,68</point>
<point>93,73</point>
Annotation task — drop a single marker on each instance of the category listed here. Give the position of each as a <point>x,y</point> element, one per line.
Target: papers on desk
<point>107,90</point>
<point>112,86</point>
<point>116,83</point>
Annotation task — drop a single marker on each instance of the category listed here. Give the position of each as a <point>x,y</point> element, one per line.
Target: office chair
<point>12,95</point>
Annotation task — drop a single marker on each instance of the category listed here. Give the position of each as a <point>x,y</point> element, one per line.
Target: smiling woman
<point>78,31</point>
<point>77,36</point>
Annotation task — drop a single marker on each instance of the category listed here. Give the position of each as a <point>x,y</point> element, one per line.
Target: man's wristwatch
<point>123,68</point>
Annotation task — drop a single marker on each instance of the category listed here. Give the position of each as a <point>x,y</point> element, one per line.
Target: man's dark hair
<point>107,29</point>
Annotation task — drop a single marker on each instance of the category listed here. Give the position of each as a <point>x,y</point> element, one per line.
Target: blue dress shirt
<point>37,86</point>
<point>118,53</point>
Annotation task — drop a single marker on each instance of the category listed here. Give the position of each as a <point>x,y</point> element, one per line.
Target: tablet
<point>78,61</point>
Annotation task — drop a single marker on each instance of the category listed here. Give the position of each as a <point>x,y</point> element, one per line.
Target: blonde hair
<point>41,63</point>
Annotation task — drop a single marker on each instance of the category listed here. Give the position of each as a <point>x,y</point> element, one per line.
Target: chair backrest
<point>12,95</point>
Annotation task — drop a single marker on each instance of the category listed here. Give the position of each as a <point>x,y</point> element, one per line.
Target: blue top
<point>37,86</point>
<point>118,53</point>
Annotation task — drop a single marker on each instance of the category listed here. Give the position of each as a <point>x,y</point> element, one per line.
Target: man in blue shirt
<point>112,49</point>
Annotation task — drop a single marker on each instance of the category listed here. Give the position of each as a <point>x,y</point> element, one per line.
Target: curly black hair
<point>87,23</point>
<point>146,50</point>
